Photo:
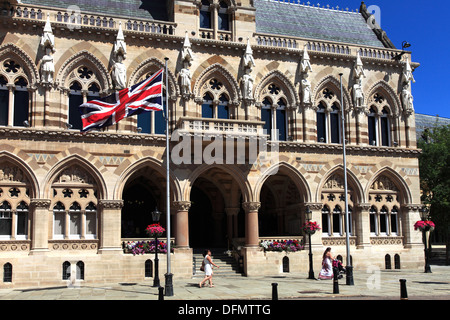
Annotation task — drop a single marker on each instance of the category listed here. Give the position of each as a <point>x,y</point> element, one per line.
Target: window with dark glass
<point>5,219</point>
<point>205,15</point>
<point>7,272</point>
<point>384,121</point>
<point>22,219</point>
<point>337,220</point>
<point>334,125</point>
<point>266,116</point>
<point>223,111</point>
<point>394,221</point>
<point>321,124</point>
<point>223,16</point>
<point>383,219</point>
<point>373,219</point>
<point>66,270</point>
<point>372,126</point>
<point>4,101</point>
<point>21,102</point>
<point>75,100</point>
<point>325,224</point>
<point>207,106</point>
<point>281,120</point>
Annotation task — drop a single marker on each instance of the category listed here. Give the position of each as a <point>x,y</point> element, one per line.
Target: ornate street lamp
<point>308,216</point>
<point>155,217</point>
<point>424,214</point>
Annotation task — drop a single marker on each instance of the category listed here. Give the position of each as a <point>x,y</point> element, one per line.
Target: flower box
<point>144,247</point>
<point>282,245</point>
<point>424,225</point>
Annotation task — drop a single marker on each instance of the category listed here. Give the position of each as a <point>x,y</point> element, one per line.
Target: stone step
<point>228,266</point>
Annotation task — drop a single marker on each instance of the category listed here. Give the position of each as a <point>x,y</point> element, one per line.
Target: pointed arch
<point>292,172</point>
<point>388,93</point>
<point>151,65</point>
<point>396,179</point>
<point>331,82</point>
<point>85,164</point>
<point>223,75</point>
<point>352,181</point>
<point>25,171</point>
<point>12,51</point>
<point>88,59</point>
<point>286,85</point>
<point>141,163</point>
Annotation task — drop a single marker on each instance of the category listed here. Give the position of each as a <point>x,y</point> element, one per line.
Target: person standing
<point>208,265</point>
<point>326,273</point>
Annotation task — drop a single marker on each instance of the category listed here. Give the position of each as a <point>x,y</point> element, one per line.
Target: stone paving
<point>368,285</point>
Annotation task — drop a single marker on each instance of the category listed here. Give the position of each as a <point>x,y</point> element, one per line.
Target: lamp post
<point>308,216</point>
<point>425,216</point>
<point>155,217</point>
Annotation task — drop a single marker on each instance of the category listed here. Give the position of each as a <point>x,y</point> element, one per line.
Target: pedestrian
<point>208,266</point>
<point>327,268</point>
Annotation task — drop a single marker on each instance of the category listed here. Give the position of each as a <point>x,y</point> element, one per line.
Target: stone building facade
<point>234,70</point>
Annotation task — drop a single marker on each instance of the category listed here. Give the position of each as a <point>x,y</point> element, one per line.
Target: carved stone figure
<point>185,81</point>
<point>306,89</point>
<point>407,73</point>
<point>305,64</point>
<point>249,62</point>
<point>407,99</point>
<point>187,56</point>
<point>119,73</point>
<point>358,95</point>
<point>47,66</point>
<point>247,84</point>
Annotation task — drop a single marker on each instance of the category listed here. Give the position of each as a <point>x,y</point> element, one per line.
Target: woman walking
<point>208,265</point>
<point>327,266</point>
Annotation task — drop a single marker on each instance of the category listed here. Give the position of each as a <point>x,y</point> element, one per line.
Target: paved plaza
<point>370,284</point>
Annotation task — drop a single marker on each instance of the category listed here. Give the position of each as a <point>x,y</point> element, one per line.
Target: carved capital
<point>182,205</point>
<point>364,206</point>
<point>314,206</point>
<point>251,206</point>
<point>111,204</point>
<point>40,203</point>
<point>412,207</point>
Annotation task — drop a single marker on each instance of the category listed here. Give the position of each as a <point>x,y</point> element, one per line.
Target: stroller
<point>338,264</point>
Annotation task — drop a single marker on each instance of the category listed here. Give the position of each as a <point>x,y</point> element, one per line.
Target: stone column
<point>110,226</point>
<point>362,226</point>
<point>182,223</point>
<point>411,237</point>
<point>39,233</point>
<point>251,223</point>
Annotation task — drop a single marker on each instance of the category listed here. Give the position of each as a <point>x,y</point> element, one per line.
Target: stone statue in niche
<point>247,84</point>
<point>407,98</point>
<point>187,58</point>
<point>119,71</point>
<point>247,80</point>
<point>359,74</point>
<point>305,68</point>
<point>185,81</point>
<point>48,45</point>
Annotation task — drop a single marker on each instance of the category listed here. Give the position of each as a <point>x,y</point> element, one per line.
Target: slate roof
<point>424,121</point>
<point>291,19</point>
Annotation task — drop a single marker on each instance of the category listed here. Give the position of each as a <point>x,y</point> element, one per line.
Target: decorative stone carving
<point>182,205</point>
<point>334,182</point>
<point>407,99</point>
<point>383,183</point>
<point>111,204</point>
<point>306,68</point>
<point>119,71</point>
<point>11,174</point>
<point>74,174</point>
<point>359,74</point>
<point>48,45</point>
<point>247,81</point>
<point>251,206</point>
<point>40,203</point>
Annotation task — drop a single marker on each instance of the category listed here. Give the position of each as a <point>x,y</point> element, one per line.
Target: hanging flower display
<point>155,230</point>
<point>310,227</point>
<point>424,225</point>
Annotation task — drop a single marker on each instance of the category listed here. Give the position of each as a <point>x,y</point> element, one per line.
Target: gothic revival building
<point>270,78</point>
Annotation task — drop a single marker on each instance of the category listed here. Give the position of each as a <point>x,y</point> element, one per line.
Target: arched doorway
<point>200,219</point>
<point>141,195</point>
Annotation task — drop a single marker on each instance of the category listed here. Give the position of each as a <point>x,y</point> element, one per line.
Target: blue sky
<point>425,25</point>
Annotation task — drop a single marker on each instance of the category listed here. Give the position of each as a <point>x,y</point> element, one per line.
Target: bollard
<point>335,280</point>
<point>274,291</point>
<point>161,293</point>
<point>403,292</point>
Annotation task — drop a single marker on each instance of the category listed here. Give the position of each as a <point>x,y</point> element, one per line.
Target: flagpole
<point>349,267</point>
<point>169,278</point>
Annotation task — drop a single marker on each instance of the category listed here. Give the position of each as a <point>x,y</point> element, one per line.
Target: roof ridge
<point>309,5</point>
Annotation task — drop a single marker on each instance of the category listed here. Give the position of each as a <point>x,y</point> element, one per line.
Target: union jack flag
<point>142,97</point>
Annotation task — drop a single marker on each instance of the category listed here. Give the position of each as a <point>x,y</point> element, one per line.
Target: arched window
<point>373,220</point>
<point>266,116</point>
<point>75,100</point>
<point>384,128</point>
<point>207,106</point>
<point>321,118</point>
<point>384,220</point>
<point>394,221</point>
<point>91,221</point>
<point>397,261</point>
<point>80,270</point>
<point>223,111</point>
<point>205,15</point>
<point>337,221</point>
<point>326,220</point>
<point>22,221</point>
<point>378,123</point>
<point>5,220</point>
<point>223,17</point>
<point>59,221</point>
<point>66,270</point>
<point>335,136</point>
<point>387,262</point>
<point>75,221</point>
<point>281,118</point>
<point>372,127</point>
<point>21,102</point>
<point>4,101</point>
<point>148,266</point>
<point>285,265</point>
<point>153,122</point>
<point>7,272</point>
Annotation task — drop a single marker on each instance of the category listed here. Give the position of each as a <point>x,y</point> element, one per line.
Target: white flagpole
<point>169,283</point>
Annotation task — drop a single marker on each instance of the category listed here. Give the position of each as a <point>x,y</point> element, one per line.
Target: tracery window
<point>84,86</point>
<point>14,95</point>
<point>152,122</point>
<point>74,205</point>
<point>215,104</point>
<point>328,118</point>
<point>378,122</point>
<point>333,211</point>
<point>384,197</point>
<point>274,113</point>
